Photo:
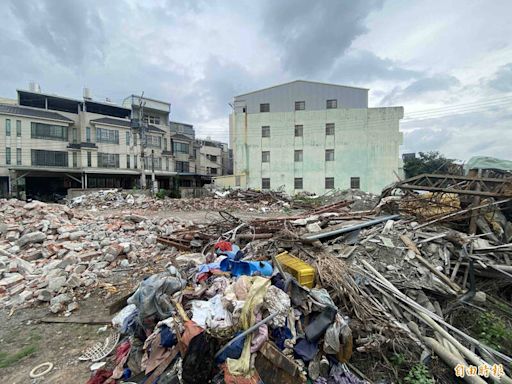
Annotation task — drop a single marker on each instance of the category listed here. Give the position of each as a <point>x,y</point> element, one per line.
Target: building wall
<point>366,145</point>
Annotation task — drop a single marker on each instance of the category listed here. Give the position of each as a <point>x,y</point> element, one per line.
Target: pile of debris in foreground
<point>329,296</point>
<point>253,201</point>
<point>50,253</point>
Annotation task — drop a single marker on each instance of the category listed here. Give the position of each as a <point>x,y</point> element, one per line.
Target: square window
<point>265,183</point>
<point>297,155</point>
<point>329,155</point>
<point>329,129</point>
<point>265,157</point>
<point>297,183</point>
<point>299,130</point>
<point>355,183</point>
<point>332,104</point>
<point>300,105</point>
<point>265,131</point>
<point>329,182</point>
<point>264,107</point>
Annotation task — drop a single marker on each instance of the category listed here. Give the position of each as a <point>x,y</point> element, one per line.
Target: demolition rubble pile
<point>244,200</point>
<point>49,253</point>
<point>319,297</point>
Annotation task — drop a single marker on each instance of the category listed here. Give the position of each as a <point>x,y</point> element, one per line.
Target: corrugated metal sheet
<point>282,98</point>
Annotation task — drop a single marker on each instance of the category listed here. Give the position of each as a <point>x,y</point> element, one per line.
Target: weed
<point>397,359</point>
<point>418,374</point>
<point>7,360</point>
<point>493,331</point>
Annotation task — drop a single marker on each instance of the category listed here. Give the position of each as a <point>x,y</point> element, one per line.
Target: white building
<point>308,136</point>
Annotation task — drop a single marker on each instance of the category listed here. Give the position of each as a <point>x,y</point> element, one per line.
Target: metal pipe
<point>351,228</point>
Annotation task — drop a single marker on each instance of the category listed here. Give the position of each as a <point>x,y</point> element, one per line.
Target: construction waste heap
<point>414,286</point>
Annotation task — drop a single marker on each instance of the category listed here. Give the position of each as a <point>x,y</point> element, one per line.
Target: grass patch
<point>494,331</point>
<point>6,360</point>
<point>418,374</point>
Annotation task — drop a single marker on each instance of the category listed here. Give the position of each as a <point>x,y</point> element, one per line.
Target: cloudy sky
<point>449,63</point>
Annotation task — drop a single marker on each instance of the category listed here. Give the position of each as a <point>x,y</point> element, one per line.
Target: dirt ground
<point>26,342</point>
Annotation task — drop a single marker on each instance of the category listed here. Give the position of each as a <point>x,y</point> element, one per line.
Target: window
<point>7,127</point>
<point>151,119</point>
<point>329,155</point>
<point>355,183</point>
<point>108,160</point>
<point>213,171</point>
<point>135,161</point>
<point>265,157</point>
<point>212,158</point>
<point>165,144</point>
<point>7,156</point>
<point>329,182</point>
<point>300,105</point>
<point>265,183</point>
<point>265,107</point>
<point>178,147</point>
<point>75,159</point>
<point>153,141</point>
<point>18,128</point>
<point>49,158</point>
<point>18,156</point>
<point>329,129</point>
<point>49,132</point>
<point>299,130</point>
<point>297,183</point>
<point>265,131</point>
<point>167,164</point>
<point>128,161</point>
<point>332,104</point>
<point>107,136</point>
<point>128,139</point>
<point>74,135</point>
<point>88,134</point>
<point>297,155</point>
<point>151,161</point>
<point>134,139</point>
<point>89,159</point>
<point>182,166</point>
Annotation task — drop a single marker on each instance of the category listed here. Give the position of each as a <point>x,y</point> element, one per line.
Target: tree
<point>428,162</point>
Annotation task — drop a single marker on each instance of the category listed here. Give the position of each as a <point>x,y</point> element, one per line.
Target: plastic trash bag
<point>153,296</point>
<point>124,318</point>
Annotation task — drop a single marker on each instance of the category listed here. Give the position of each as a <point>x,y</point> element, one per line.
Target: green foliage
<point>493,331</point>
<point>418,374</point>
<point>6,359</point>
<point>161,194</point>
<point>397,359</point>
<point>428,162</point>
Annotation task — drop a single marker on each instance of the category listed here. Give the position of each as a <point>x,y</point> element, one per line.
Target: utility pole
<point>153,172</point>
<point>142,132</point>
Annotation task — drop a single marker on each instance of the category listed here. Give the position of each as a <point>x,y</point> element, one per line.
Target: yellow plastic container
<point>301,271</point>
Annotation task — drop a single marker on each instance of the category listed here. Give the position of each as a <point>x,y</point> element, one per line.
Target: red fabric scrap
<point>100,376</point>
<point>223,246</point>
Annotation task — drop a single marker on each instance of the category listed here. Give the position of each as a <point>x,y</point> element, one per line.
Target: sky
<point>448,63</point>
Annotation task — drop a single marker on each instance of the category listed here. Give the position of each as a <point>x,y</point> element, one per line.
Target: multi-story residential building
<point>308,136</point>
<point>213,157</point>
<point>51,143</point>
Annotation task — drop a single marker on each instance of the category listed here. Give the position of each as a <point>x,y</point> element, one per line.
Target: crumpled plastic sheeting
<point>332,336</point>
<point>258,289</point>
<point>125,318</point>
<point>153,295</point>
<point>218,285</point>
<point>322,296</point>
<point>211,313</point>
<point>277,301</point>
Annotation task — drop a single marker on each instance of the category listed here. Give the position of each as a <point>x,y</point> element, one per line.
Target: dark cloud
<point>420,87</point>
<point>70,31</point>
<point>360,67</point>
<point>502,81</point>
<point>313,34</point>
